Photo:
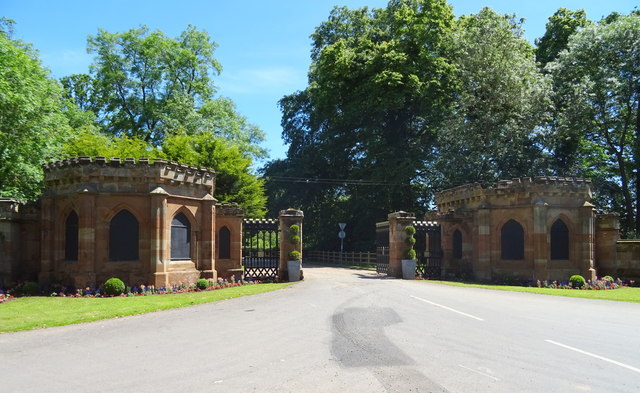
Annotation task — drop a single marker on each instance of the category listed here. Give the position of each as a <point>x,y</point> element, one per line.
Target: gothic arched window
<point>559,240</point>
<point>180,237</point>
<point>123,237</point>
<point>512,240</point>
<point>224,243</point>
<point>457,244</point>
<point>71,237</point>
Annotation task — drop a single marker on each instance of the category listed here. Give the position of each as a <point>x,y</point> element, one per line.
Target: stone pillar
<point>47,243</point>
<point>607,236</point>
<point>287,218</point>
<point>158,262</point>
<point>208,238</point>
<point>587,218</point>
<point>540,239</point>
<point>397,245</point>
<point>482,245</point>
<point>86,273</point>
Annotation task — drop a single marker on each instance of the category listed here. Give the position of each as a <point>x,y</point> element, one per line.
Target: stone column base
<point>209,275</point>
<point>159,279</point>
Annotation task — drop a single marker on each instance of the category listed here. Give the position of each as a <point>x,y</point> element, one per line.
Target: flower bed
<point>5,297</point>
<point>142,290</point>
<point>149,290</point>
<point>601,284</point>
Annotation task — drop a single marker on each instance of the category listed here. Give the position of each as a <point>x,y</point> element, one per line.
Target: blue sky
<point>263,45</point>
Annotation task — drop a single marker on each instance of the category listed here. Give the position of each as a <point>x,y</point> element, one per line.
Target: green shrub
<point>29,288</point>
<point>410,241</point>
<point>295,239</point>
<point>608,278</point>
<point>202,284</point>
<point>577,281</point>
<point>410,230</point>
<point>294,255</point>
<point>294,229</point>
<point>410,254</point>
<point>114,287</point>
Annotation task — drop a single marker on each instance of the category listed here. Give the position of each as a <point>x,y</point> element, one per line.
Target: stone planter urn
<point>294,268</point>
<point>408,269</point>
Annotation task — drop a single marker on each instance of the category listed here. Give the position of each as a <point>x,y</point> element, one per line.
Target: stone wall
<point>628,260</point>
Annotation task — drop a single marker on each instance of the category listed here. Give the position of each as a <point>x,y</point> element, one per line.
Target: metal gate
<point>428,249</point>
<point>382,247</point>
<point>260,248</point>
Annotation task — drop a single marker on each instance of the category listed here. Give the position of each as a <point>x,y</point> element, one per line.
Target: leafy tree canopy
<point>597,88</point>
<point>494,130</point>
<point>380,83</point>
<point>562,25</point>
<point>146,85</point>
<point>33,124</point>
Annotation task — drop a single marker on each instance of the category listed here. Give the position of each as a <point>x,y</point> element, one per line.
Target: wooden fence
<point>341,258</point>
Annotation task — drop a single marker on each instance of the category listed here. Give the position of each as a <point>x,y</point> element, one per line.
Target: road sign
<point>342,235</point>
<point>342,225</point>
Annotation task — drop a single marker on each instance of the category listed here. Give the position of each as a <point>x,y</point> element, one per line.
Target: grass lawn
<point>28,313</point>
<point>624,294</point>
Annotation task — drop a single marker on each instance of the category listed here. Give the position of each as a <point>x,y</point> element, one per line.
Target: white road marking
<point>479,372</point>
<point>447,308</point>
<point>593,355</point>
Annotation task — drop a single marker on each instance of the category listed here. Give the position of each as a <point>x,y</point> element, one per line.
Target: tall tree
<point>146,85</point>
<point>380,84</point>
<point>598,84</point>
<point>154,95</point>
<point>502,102</point>
<point>562,25</point>
<point>32,120</point>
<point>138,75</point>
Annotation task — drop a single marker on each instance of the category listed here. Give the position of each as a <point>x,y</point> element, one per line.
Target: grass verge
<point>28,313</point>
<point>624,294</point>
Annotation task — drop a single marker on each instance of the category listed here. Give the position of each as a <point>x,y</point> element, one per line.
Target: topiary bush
<point>409,230</point>
<point>294,255</point>
<point>114,287</point>
<point>295,239</point>
<point>608,278</point>
<point>202,284</point>
<point>410,254</point>
<point>577,281</point>
<point>294,229</point>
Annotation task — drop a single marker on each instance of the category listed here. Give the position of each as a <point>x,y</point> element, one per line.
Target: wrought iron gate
<point>428,249</point>
<point>382,247</point>
<point>260,248</point>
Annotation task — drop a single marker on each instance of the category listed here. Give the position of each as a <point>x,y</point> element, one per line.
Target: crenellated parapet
<point>102,175</point>
<point>229,209</point>
<point>516,192</point>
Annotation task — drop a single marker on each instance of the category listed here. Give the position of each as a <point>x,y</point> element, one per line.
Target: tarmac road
<point>342,331</point>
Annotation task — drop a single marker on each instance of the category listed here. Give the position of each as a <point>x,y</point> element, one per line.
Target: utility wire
<point>341,182</point>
